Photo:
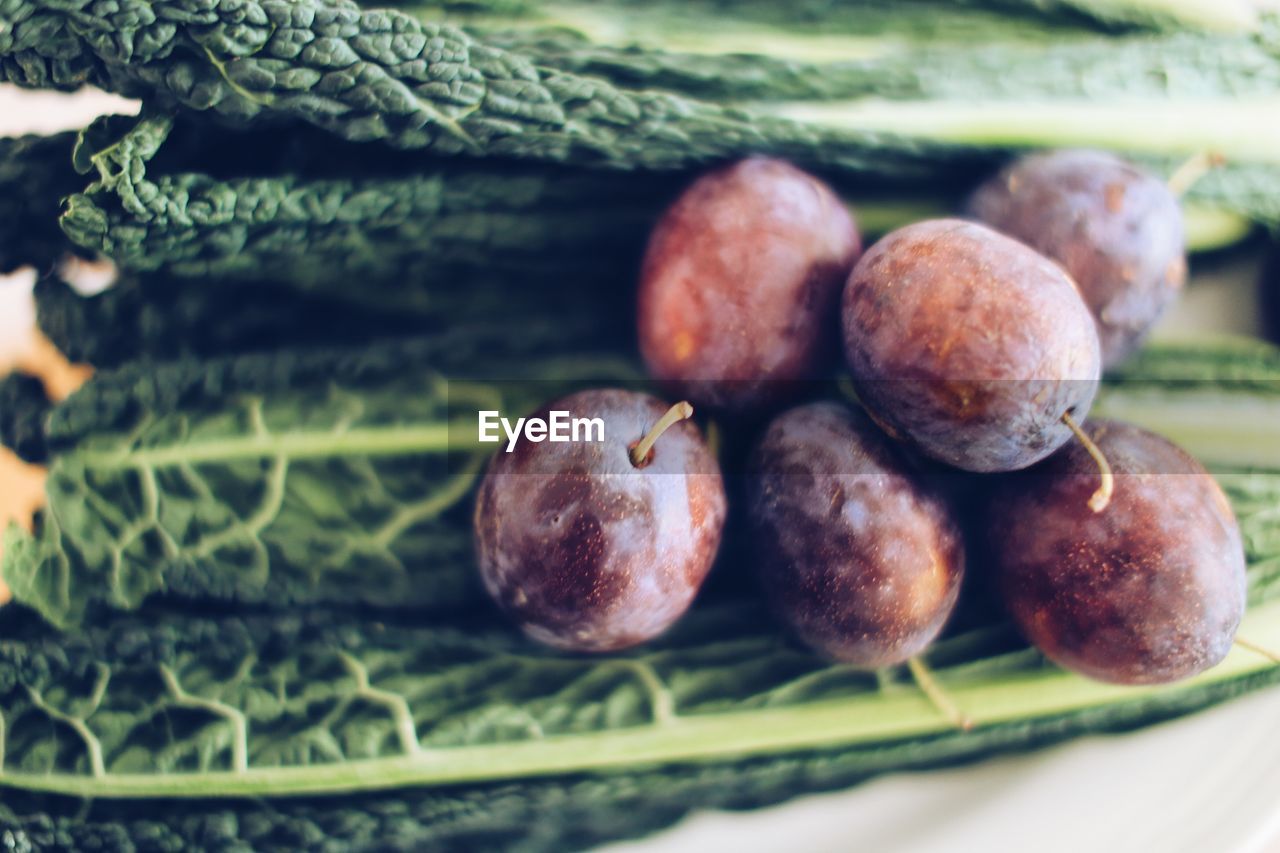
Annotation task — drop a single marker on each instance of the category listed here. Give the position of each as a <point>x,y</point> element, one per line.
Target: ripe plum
<point>741,284</point>
<point>1115,228</point>
<point>969,345</point>
<point>1149,591</point>
<point>860,557</point>
<point>588,550</point>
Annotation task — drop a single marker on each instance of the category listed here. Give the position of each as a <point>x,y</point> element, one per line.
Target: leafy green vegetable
<point>23,407</point>
<point>409,235</point>
<point>888,51</point>
<point>1214,400</point>
<point>552,815</point>
<point>321,215</point>
<point>294,686</point>
<point>323,479</point>
<point>1271,292</point>
<point>157,317</point>
<point>931,20</point>
<point>313,214</point>
<point>35,175</point>
<point>1211,14</point>
<point>462,719</point>
<point>1005,92</point>
<point>309,704</point>
<point>140,318</point>
<point>292,477</point>
<point>383,75</point>
<point>424,87</point>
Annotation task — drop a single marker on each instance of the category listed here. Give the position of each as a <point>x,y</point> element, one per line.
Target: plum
<point>969,345</point>
<point>1115,228</point>
<point>1150,591</point>
<point>741,282</point>
<point>859,556</point>
<point>588,549</point>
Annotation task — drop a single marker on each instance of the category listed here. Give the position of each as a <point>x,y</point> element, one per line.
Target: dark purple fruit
<point>741,281</point>
<point>588,551</point>
<point>860,558</point>
<point>969,345</point>
<point>1151,589</point>
<point>1115,228</point>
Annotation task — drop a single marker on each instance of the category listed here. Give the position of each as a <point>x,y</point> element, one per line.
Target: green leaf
<point>319,216</point>
<point>286,478</point>
<point>34,177</point>
<point>287,705</point>
<point>455,731</point>
<point>893,51</point>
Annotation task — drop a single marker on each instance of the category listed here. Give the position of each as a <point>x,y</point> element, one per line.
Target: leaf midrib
<point>727,735</point>
<point>366,441</point>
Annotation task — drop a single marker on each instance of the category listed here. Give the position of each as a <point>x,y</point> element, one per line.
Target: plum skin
<point>587,552</point>
<point>858,556</point>
<point>969,345</point>
<point>740,282</point>
<point>1150,590</point>
<point>1116,229</point>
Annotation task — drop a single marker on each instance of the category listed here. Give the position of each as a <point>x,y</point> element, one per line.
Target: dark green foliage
<point>252,493</point>
<point>292,477</point>
<point>157,317</point>
<point>382,75</point>
<point>318,215</point>
<point>1240,365</point>
<point>997,65</point>
<point>114,401</point>
<point>1270,286</point>
<point>249,212</point>
<point>143,319</point>
<point>292,204</point>
<point>294,684</point>
<point>556,815</point>
<point>956,20</point>
<point>35,175</point>
<point>307,210</point>
<point>23,407</point>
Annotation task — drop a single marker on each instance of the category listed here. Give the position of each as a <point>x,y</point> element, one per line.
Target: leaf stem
<point>390,441</point>
<point>1237,127</point>
<point>726,735</point>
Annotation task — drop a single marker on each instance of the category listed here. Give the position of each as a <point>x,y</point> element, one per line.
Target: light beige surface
<point>1207,783</point>
<point>22,111</point>
<point>1202,784</point>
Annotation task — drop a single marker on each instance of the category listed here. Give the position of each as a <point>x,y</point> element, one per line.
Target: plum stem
<point>1257,649</point>
<point>1102,497</point>
<point>1192,170</point>
<point>640,453</point>
<point>937,695</point>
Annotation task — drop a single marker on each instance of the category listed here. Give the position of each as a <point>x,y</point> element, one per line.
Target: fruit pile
<point>975,349</point>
